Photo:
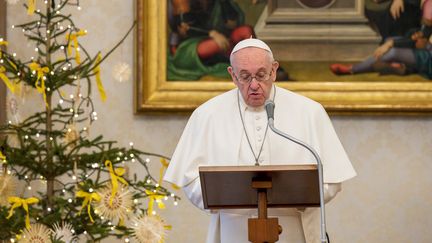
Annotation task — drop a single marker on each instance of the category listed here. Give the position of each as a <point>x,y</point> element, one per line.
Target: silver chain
<point>244,128</point>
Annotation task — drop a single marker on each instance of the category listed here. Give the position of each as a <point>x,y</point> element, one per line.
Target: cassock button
<point>257,117</point>
<point>258,128</point>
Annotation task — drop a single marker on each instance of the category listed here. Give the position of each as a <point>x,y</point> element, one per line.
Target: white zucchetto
<point>251,42</point>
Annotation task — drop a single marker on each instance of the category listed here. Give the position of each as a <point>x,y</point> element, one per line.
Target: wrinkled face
<point>256,65</point>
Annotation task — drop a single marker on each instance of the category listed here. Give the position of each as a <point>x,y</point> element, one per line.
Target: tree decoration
<point>122,72</point>
<point>12,105</point>
<point>63,232</point>
<point>38,233</point>
<point>115,208</point>
<point>149,229</point>
<point>75,185</point>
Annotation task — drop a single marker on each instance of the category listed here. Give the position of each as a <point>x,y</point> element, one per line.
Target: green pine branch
<point>51,146</point>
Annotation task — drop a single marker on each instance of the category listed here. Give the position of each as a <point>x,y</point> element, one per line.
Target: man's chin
<point>256,102</point>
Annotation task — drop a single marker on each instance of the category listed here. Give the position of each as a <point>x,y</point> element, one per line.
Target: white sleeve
<point>330,190</point>
<point>194,194</point>
<point>311,217</point>
<point>337,166</point>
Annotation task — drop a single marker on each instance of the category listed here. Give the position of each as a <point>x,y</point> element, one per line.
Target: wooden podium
<point>261,187</point>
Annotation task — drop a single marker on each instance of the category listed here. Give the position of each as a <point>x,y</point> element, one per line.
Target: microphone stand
<point>320,173</point>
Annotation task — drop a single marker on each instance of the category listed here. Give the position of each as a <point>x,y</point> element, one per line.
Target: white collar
<point>244,106</point>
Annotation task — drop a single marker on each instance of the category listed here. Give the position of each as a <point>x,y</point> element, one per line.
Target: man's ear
<point>231,72</point>
<point>275,65</point>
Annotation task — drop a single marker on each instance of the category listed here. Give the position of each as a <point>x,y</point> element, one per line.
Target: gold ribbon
<point>98,78</point>
<point>115,177</point>
<point>175,186</point>
<point>162,169</point>
<point>31,7</point>
<point>20,202</point>
<point>2,157</point>
<point>152,197</point>
<point>167,227</point>
<point>9,84</point>
<point>88,198</point>
<point>73,41</point>
<point>40,74</point>
<point>3,43</point>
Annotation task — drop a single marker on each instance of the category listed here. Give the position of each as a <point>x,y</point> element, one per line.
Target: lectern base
<point>264,230</point>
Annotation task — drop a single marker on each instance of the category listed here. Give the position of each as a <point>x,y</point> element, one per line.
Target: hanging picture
<point>183,46</point>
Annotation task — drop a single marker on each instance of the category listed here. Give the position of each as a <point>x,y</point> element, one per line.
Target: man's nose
<point>254,84</point>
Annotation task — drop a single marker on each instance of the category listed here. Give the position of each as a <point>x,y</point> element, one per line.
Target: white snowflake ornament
<point>122,72</point>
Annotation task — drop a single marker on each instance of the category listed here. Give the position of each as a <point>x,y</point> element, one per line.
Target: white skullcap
<point>251,42</point>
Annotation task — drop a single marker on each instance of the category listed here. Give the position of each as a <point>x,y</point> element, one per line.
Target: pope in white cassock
<point>231,129</point>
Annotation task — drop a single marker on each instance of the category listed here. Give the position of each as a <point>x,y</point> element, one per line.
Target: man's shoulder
<point>290,98</point>
<point>218,102</point>
<point>215,107</point>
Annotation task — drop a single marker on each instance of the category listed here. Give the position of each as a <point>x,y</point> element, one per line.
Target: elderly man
<point>231,129</point>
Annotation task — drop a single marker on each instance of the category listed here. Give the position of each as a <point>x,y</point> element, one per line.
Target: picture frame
<point>153,94</point>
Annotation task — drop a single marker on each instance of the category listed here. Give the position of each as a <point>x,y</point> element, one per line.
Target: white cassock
<point>214,135</point>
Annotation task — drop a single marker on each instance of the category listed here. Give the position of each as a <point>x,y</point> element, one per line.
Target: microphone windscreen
<point>269,106</point>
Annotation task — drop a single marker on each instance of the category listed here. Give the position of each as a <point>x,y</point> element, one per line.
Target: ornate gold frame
<point>153,94</point>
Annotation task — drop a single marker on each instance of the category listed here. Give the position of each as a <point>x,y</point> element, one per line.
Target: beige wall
<point>389,201</point>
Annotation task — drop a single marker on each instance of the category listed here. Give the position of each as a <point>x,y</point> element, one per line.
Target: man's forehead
<point>247,71</point>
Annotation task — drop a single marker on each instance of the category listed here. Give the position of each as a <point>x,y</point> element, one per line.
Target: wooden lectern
<point>261,187</point>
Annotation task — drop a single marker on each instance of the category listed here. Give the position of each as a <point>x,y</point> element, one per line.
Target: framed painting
<point>308,73</point>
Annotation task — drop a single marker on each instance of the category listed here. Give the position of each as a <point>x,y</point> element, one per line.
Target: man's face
<point>253,64</point>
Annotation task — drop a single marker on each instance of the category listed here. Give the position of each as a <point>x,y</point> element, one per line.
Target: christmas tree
<point>87,191</point>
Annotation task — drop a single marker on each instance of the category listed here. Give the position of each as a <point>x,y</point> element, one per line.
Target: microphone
<point>269,106</point>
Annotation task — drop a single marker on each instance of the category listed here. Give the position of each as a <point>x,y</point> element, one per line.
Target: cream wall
<point>389,201</point>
